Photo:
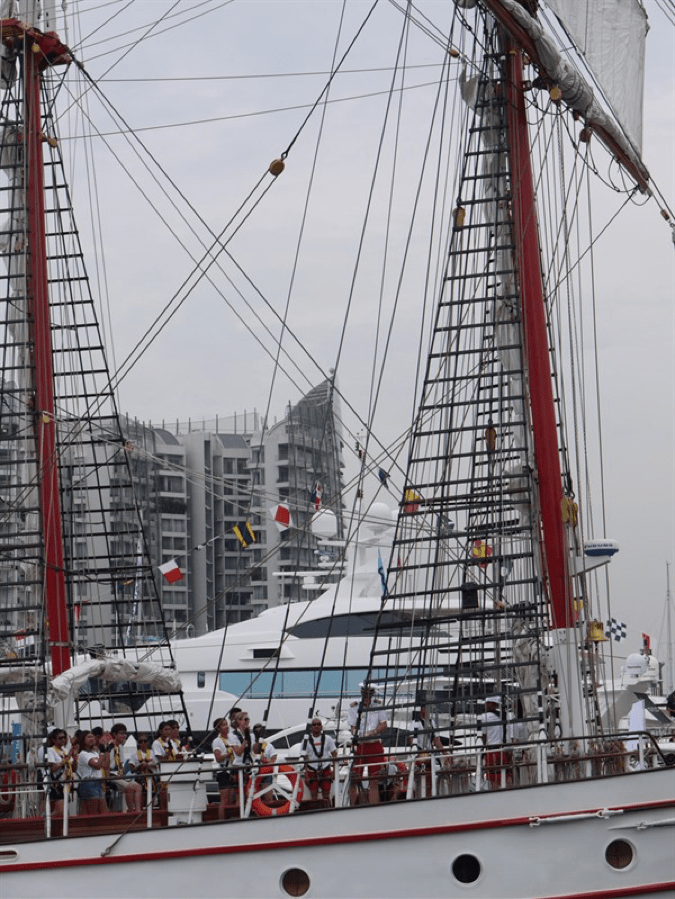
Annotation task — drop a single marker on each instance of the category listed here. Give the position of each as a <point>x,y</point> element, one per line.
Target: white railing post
<point>245,806</point>
<point>149,802</point>
<point>48,815</point>
<point>479,771</point>
<point>296,787</point>
<point>66,799</point>
<point>410,788</point>
<point>337,786</point>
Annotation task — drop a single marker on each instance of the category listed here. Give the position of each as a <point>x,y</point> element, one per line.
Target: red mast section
<point>41,50</point>
<point>542,406</point>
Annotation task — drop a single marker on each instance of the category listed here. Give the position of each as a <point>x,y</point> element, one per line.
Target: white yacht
<point>298,659</point>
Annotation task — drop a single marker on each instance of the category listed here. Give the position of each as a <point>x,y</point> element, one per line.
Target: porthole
<point>619,854</point>
<point>295,882</point>
<point>466,868</point>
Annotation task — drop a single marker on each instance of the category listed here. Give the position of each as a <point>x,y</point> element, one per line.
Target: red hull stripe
<point>328,841</point>
<point>616,894</point>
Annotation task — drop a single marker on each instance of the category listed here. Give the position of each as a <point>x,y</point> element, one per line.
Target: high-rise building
<point>300,459</point>
<point>198,482</point>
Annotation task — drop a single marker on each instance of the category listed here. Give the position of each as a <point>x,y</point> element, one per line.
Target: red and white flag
<point>282,517</point>
<point>171,571</point>
<point>315,496</point>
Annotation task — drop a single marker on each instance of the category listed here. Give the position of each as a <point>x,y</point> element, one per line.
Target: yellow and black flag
<point>244,533</point>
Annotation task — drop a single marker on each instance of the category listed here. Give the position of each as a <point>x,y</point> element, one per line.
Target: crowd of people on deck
<point>95,766</point>
<point>105,774</point>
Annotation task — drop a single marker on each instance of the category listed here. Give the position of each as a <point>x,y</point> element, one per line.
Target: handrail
<point>434,773</point>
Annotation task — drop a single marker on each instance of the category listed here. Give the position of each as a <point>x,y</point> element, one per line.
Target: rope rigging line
<point>188,15</point>
<point>344,399</point>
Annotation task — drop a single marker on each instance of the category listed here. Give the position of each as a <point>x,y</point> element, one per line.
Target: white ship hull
<point>543,841</point>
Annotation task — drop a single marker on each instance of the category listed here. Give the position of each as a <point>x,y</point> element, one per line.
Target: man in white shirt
<point>423,737</point>
<point>367,721</point>
<point>319,749</point>
<point>493,733</point>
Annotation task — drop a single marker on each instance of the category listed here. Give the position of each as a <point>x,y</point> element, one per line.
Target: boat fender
<point>570,511</point>
<point>259,806</point>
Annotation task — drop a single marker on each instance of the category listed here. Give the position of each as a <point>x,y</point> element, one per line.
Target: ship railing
<point>475,769</point>
<point>272,788</point>
<point>40,790</point>
<point>277,788</point>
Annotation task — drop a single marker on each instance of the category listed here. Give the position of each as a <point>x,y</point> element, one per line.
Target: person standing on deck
<point>367,721</point>
<point>424,741</point>
<point>91,767</point>
<point>240,742</point>
<point>61,764</point>
<point>493,733</point>
<point>423,736</point>
<point>318,749</point>
<point>225,758</point>
<point>262,751</point>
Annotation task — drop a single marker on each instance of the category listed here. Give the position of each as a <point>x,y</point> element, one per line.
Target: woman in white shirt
<point>91,766</point>
<point>225,758</point>
<point>61,766</point>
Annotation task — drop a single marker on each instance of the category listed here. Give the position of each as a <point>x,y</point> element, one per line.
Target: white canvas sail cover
<point>115,671</point>
<point>611,35</point>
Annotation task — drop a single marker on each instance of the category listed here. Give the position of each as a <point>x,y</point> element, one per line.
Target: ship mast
<point>555,552</point>
<point>40,51</point>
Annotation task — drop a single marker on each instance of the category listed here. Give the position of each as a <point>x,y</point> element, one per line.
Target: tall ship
<point>470,753</point>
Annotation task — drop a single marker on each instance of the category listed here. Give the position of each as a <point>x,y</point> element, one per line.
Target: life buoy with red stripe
<point>8,784</point>
<point>259,806</point>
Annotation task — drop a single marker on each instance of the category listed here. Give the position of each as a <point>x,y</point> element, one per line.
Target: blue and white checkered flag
<point>616,630</point>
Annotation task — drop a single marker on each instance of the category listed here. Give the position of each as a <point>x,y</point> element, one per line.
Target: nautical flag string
<point>616,630</point>
<point>481,550</point>
<point>171,571</point>
<point>384,477</point>
<point>244,533</point>
<point>281,515</point>
<point>411,501</point>
<point>315,496</point>
<point>383,575</point>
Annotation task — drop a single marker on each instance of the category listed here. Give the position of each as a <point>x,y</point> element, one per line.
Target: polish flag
<point>171,571</point>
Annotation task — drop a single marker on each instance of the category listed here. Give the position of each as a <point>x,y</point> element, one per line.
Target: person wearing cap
<point>493,733</point>
<point>366,724</point>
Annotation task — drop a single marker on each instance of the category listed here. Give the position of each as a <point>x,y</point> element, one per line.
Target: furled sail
<point>116,671</point>
<point>576,91</point>
<point>611,35</point>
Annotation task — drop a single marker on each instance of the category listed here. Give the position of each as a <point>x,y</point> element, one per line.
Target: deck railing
<point>179,793</point>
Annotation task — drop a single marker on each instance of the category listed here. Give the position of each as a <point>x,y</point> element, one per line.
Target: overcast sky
<point>189,93</point>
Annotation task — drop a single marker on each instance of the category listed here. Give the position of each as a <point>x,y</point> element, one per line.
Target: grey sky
<point>205,362</point>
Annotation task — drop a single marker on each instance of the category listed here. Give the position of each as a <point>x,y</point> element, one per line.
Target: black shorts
<point>56,793</point>
<point>225,779</point>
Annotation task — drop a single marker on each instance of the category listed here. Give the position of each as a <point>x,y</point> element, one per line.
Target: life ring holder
<point>8,784</point>
<point>259,806</point>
